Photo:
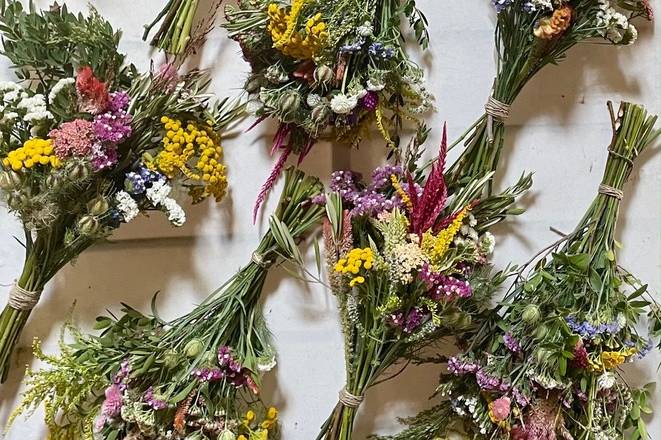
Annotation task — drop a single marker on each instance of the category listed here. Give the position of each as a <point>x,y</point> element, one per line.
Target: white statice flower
<point>158,192</point>
<point>59,86</point>
<point>343,104</point>
<point>126,206</point>
<point>35,108</point>
<point>365,30</point>
<point>606,381</point>
<point>176,214</point>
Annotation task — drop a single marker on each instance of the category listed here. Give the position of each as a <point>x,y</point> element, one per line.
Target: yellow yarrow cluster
<point>282,27</point>
<point>195,153</point>
<point>354,261</point>
<point>610,360</point>
<point>262,432</point>
<point>435,246</point>
<point>35,151</point>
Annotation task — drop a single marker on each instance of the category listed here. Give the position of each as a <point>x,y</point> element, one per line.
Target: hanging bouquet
<point>176,35</point>
<point>408,264</point>
<point>531,34</point>
<point>197,377</point>
<point>330,68</point>
<point>545,365</point>
<point>88,144</point>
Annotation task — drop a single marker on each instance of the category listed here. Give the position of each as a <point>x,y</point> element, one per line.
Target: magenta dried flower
<point>370,101</point>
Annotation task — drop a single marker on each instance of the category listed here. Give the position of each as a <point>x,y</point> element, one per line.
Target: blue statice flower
<point>353,47</point>
<point>380,50</point>
<point>591,331</point>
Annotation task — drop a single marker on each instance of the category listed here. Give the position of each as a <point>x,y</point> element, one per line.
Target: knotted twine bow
<point>495,110</point>
<point>22,299</point>
<point>350,400</point>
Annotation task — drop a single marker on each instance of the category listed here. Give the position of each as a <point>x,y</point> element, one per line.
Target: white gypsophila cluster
<point>615,26</point>
<point>59,86</point>
<point>343,104</point>
<point>487,243</point>
<point>467,406</point>
<point>34,108</point>
<point>538,5</point>
<point>126,206</point>
<point>176,214</point>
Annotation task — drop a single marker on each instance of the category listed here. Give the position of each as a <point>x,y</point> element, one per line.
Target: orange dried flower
<point>555,25</point>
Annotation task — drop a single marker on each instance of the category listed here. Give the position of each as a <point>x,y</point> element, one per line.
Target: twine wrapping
<point>259,260</point>
<point>21,299</point>
<point>495,110</point>
<point>349,400</point>
<point>620,156</point>
<point>611,192</point>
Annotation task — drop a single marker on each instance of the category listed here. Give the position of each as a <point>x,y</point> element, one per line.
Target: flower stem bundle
<point>531,34</point>
<point>546,363</point>
<point>408,264</point>
<point>89,143</point>
<point>195,377</point>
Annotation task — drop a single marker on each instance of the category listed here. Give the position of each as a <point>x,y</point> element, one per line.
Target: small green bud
<point>531,314</point>
<point>193,348</point>
<point>98,206</point>
<point>227,435</point>
<point>88,225</point>
<point>252,85</point>
<point>541,332</point>
<point>171,359</point>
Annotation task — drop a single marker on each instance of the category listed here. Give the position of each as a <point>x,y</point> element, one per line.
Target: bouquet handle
<point>339,426</point>
<point>12,320</point>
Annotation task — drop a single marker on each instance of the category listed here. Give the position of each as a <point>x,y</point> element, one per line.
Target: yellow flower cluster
<point>35,151</point>
<point>611,359</point>
<point>354,261</point>
<point>282,27</point>
<point>194,152</point>
<point>402,194</point>
<point>262,432</point>
<point>435,246</point>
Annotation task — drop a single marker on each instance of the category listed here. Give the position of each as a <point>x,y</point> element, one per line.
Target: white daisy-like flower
<point>126,206</point>
<point>343,104</point>
<point>158,192</point>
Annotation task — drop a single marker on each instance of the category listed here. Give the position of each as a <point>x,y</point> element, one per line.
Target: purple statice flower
<point>649,345</point>
<point>381,176</point>
<point>413,320</point>
<point>370,101</point>
<point>319,199</point>
<point>224,355</point>
<point>396,319</point>
<point>442,286</point>
<point>460,367</point>
<point>103,156</point>
<point>501,4</point>
<point>345,183</point>
<point>208,374</point>
<point>119,101</point>
<point>511,343</point>
<point>151,400</point>
<point>588,330</point>
<point>371,203</point>
<point>487,382</point>
<point>113,127</point>
<point>520,398</point>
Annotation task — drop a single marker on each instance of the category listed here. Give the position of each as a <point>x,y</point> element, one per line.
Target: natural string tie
<point>495,110</point>
<point>350,400</point>
<point>22,299</point>
<point>611,192</point>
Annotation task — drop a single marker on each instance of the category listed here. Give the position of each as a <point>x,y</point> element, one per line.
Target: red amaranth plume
<point>92,93</point>
<point>427,207</point>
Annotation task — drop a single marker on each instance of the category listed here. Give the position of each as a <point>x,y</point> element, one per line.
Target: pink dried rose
<point>500,409</point>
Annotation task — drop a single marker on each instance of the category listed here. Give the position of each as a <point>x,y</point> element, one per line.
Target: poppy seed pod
<point>320,114</point>
<point>98,206</point>
<point>88,225</point>
<point>253,84</point>
<point>323,75</point>
<point>531,314</point>
<point>193,348</point>
<point>289,103</point>
<point>10,180</point>
<point>77,170</point>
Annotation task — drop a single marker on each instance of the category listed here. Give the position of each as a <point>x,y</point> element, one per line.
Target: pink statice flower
<point>111,407</point>
<point>73,138</point>
<point>500,408</point>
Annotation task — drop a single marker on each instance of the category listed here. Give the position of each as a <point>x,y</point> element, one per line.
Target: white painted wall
<point>559,128</point>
